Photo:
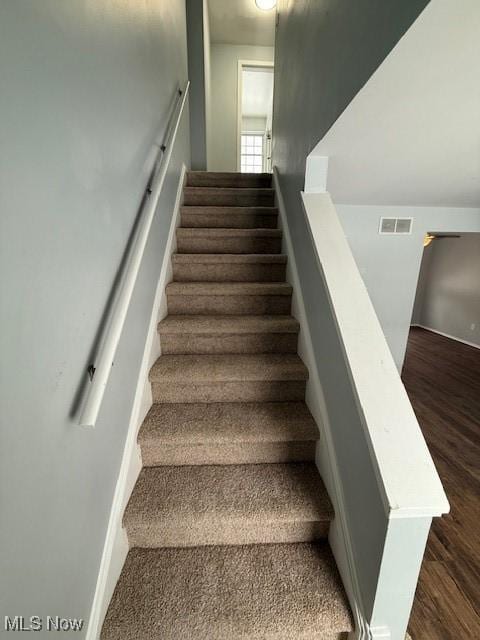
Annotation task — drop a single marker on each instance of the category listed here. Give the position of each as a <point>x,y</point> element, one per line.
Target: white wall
<point>325,52</point>
<point>448,293</point>
<point>409,144</point>
<point>224,100</point>
<point>86,91</point>
<point>254,124</point>
<point>411,136</point>
<point>390,264</point>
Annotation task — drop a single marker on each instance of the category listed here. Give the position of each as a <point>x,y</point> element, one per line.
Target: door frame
<point>267,64</point>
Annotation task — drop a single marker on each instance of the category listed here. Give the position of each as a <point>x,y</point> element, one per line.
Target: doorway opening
<point>447,300</point>
<point>255,113</point>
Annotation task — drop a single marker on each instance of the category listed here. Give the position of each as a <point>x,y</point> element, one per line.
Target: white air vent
<point>395,225</point>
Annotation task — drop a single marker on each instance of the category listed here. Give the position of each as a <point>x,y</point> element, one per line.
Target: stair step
<point>228,518</point>
<point>222,298</point>
<point>228,197</point>
<point>185,506</point>
<point>229,240</point>
<point>229,378</point>
<point>230,217</point>
<point>255,592</point>
<point>225,267</point>
<point>228,334</point>
<point>228,433</point>
<point>227,179</point>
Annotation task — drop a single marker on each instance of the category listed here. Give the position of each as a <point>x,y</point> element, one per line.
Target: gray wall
<point>224,113</point>
<point>390,264</point>
<point>198,34</point>
<point>448,293</point>
<point>324,53</point>
<point>208,78</point>
<point>86,88</point>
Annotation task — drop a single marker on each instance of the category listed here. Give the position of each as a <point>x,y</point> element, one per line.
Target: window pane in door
<point>252,153</point>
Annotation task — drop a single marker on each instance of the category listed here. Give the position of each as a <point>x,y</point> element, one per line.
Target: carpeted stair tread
<point>228,368</point>
<point>228,433</point>
<point>229,267</point>
<point>202,209</point>
<point>228,179</point>
<point>229,298</point>
<point>256,592</point>
<point>228,240</point>
<point>228,324</point>
<point>229,289</point>
<point>227,504</point>
<point>229,258</point>
<point>240,334</point>
<point>236,197</point>
<point>224,422</point>
<point>198,232</point>
<point>258,377</point>
<point>229,217</point>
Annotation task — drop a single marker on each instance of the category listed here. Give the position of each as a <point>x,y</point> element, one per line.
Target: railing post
<point>405,543</point>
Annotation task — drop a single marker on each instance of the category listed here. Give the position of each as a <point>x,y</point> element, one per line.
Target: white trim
<point>116,545</point>
<point>245,63</point>
<point>446,335</point>
<point>325,458</point>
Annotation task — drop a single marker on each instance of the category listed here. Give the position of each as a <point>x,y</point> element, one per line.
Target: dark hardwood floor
<point>442,378</point>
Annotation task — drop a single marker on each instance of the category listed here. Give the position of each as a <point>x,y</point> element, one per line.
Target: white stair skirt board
<point>447,335</point>
<point>116,545</point>
<point>325,454</point>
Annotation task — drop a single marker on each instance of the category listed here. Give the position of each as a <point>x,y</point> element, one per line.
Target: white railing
<point>386,488</point>
<point>409,482</point>
<point>99,369</point>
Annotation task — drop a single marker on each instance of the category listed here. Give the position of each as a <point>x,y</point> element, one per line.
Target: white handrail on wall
<point>99,371</point>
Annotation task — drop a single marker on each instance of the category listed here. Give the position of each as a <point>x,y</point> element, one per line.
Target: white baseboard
<point>115,549</point>
<point>446,335</point>
<point>339,539</point>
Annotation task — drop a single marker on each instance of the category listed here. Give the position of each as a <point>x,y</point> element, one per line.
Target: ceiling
<point>411,136</point>
<point>241,22</point>
<point>257,92</point>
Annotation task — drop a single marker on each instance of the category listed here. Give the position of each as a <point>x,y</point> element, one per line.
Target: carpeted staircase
<point>229,517</point>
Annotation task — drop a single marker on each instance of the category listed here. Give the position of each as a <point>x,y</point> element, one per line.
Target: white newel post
<point>405,543</point>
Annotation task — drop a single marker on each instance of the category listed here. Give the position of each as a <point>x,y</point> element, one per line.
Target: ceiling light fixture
<point>429,237</point>
<point>266,5</point>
